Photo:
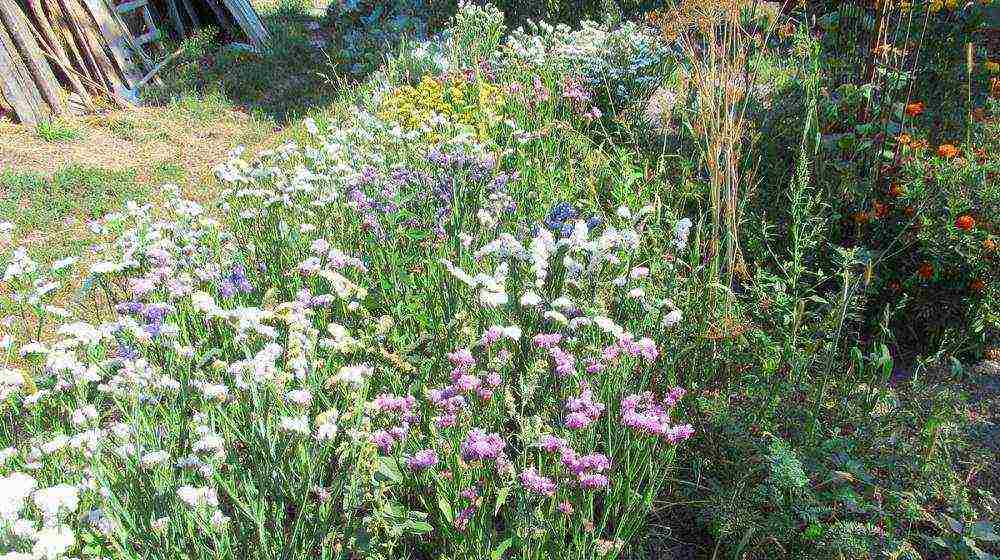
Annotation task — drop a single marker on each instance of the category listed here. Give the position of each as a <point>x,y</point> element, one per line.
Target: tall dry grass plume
<point>720,40</point>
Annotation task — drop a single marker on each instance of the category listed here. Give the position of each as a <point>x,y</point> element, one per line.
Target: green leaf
<point>389,468</point>
<point>501,499</point>
<point>418,527</point>
<point>501,548</point>
<point>445,508</point>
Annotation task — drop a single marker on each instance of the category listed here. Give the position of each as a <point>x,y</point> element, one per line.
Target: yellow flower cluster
<point>934,6</point>
<point>475,104</point>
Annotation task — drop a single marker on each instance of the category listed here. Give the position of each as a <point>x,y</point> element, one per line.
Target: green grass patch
<point>57,131</point>
<point>38,202</point>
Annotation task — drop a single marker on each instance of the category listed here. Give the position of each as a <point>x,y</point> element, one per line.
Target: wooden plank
<point>16,85</point>
<point>117,37</point>
<point>224,21</point>
<point>53,45</point>
<point>131,6</point>
<point>175,18</point>
<point>19,33</point>
<point>102,70</point>
<point>248,20</point>
<point>192,14</point>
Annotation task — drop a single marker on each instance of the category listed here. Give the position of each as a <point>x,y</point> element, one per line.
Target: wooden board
<point>16,86</point>
<point>248,20</point>
<point>118,39</point>
<point>19,32</point>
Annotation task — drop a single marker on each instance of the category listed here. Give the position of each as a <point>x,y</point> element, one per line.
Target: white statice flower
<point>673,318</point>
<point>82,332</point>
<point>639,273</point>
<point>210,443</point>
<point>33,348</point>
<point>636,293</point>
<point>299,397</point>
<point>84,415</point>
<point>154,458</point>
<point>682,229</point>
<point>198,496</point>
<point>53,542</point>
<point>219,520</point>
<point>530,299</point>
<point>57,443</point>
<point>556,317</point>
<point>294,424</point>
<point>64,263</point>
<point>7,454</point>
<point>61,498</point>
<point>24,528</point>
<point>512,332</point>
<point>353,374</point>
<point>14,488</point>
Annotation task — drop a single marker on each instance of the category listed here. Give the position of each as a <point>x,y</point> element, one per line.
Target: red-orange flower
<point>860,218</point>
<point>895,190</point>
<point>926,270</point>
<point>895,286</point>
<point>947,151</point>
<point>881,210</point>
<point>977,285</point>
<point>914,109</point>
<point>965,222</point>
<point>989,244</point>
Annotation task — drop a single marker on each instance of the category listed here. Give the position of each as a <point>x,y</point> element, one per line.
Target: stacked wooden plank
<point>58,56</point>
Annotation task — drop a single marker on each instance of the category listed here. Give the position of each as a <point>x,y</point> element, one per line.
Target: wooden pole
<point>19,31</point>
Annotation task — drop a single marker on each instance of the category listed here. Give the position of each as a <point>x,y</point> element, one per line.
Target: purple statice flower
<point>422,460</point>
<point>471,493</point>
<point>130,308</point>
<point>393,403</point>
<point>546,340</point>
<point>552,444</point>
<point>595,366</point>
<point>484,393</point>
<point>492,335</point>
<point>674,396</point>
<point>481,446</point>
<point>141,286</point>
<point>537,483</point>
<point>591,481</point>
<point>679,433</point>
<point>467,382</point>
<point>575,92</point>
<point>384,441</point>
<point>238,278</point>
<point>644,347</point>
<point>563,362</point>
<point>461,522</point>
<point>565,507</point>
<point>644,414</point>
<point>582,411</point>
<point>494,379</point>
<point>462,358</point>
<point>322,300</point>
<point>445,421</point>
<point>559,216</point>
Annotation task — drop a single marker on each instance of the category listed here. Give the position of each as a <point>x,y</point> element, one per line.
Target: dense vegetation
<point>716,279</point>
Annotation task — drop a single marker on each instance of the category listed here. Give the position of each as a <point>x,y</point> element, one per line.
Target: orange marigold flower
<point>926,270</point>
<point>881,210</point>
<point>914,109</point>
<point>977,285</point>
<point>965,222</point>
<point>904,139</point>
<point>947,151</point>
<point>859,218</point>
<point>895,190</point>
<point>989,244</point>
<point>909,211</point>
